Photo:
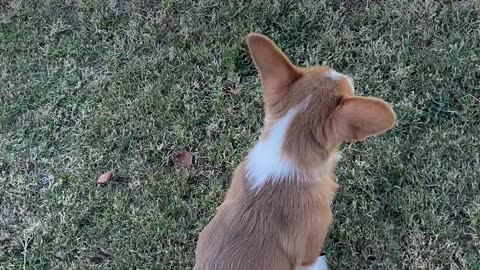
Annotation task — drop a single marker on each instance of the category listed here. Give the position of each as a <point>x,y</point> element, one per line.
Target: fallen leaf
<point>105,177</point>
<point>183,159</point>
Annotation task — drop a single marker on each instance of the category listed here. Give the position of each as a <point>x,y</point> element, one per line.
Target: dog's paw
<point>320,264</point>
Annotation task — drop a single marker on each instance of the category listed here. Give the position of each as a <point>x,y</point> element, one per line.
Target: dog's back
<point>276,227</point>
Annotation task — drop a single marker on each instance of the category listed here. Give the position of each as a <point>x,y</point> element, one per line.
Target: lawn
<point>87,86</point>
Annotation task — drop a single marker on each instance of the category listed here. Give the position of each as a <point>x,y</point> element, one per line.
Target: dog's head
<point>316,106</point>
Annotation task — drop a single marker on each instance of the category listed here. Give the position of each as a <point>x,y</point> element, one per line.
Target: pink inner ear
<point>358,118</point>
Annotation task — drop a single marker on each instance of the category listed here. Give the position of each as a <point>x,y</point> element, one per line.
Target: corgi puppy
<point>276,213</point>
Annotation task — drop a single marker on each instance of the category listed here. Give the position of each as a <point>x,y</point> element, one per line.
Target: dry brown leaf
<point>105,177</point>
<point>183,159</point>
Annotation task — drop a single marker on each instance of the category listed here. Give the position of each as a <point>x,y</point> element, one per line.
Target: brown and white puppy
<point>276,213</point>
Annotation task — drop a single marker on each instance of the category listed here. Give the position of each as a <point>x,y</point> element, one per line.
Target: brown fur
<point>283,224</point>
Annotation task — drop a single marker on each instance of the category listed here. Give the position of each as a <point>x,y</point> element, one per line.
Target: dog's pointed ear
<point>357,118</point>
<point>276,71</point>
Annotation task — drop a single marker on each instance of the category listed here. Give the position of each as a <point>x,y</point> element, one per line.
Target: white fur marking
<point>332,74</point>
<point>350,82</point>
<point>320,264</point>
<point>266,158</point>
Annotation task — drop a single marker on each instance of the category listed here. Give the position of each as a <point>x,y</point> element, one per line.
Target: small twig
<point>24,253</point>
<point>472,96</point>
<point>25,243</point>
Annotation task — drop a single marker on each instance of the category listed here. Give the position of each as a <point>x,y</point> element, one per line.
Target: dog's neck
<point>267,161</point>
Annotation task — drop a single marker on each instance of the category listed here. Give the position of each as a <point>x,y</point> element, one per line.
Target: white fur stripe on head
<point>337,76</point>
<point>350,82</point>
<point>332,74</point>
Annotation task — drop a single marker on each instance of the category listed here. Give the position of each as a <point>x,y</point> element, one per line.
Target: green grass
<point>91,85</point>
